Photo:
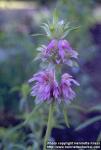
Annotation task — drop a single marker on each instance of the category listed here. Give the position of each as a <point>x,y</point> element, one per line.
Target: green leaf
<point>25,89</point>
<point>20,147</point>
<point>66,117</point>
<point>14,129</point>
<point>59,126</point>
<point>77,107</point>
<point>67,26</point>
<point>47,30</point>
<point>69,30</point>
<point>66,33</point>
<point>87,123</point>
<point>14,89</point>
<point>95,108</point>
<point>46,25</point>
<point>55,17</point>
<point>32,114</point>
<point>2,132</point>
<point>74,28</point>
<point>38,34</point>
<point>11,131</point>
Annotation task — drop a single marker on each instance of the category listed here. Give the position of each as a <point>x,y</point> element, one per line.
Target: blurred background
<point>19,20</point>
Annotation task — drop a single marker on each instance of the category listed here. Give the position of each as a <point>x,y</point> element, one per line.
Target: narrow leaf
<point>59,126</point>
<point>88,122</point>
<point>55,17</point>
<point>69,30</point>
<point>66,117</point>
<point>67,26</point>
<point>65,34</point>
<point>46,25</point>
<point>95,108</point>
<point>11,131</point>
<point>38,35</point>
<point>77,107</point>
<point>46,30</point>
<point>21,147</point>
<point>74,28</point>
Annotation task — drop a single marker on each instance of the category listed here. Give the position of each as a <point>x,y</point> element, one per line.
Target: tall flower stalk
<point>49,126</point>
<point>57,52</point>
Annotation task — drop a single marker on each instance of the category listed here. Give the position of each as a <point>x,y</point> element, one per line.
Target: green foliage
<point>95,108</point>
<point>65,117</point>
<point>25,89</point>
<point>88,122</point>
<point>57,29</point>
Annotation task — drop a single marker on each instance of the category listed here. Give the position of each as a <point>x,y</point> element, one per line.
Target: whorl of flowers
<point>58,51</point>
<point>46,88</point>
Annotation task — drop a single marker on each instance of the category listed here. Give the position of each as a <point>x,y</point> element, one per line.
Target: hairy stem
<point>49,125</point>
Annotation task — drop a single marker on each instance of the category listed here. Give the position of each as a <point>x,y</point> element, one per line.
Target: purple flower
<point>58,52</point>
<point>45,87</point>
<point>67,93</point>
<point>65,50</point>
<point>52,46</point>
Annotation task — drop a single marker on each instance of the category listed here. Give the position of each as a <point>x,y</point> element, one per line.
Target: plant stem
<point>66,117</point>
<point>49,125</point>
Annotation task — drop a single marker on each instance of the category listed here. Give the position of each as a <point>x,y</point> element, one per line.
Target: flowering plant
<point>47,87</point>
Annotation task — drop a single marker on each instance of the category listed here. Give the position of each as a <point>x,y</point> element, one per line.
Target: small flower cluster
<point>46,87</point>
<point>57,52</point>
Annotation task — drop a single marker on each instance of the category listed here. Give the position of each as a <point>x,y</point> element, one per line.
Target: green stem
<point>49,125</point>
<point>66,116</point>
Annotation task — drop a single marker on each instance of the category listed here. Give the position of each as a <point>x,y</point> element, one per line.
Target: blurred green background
<point>18,22</point>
